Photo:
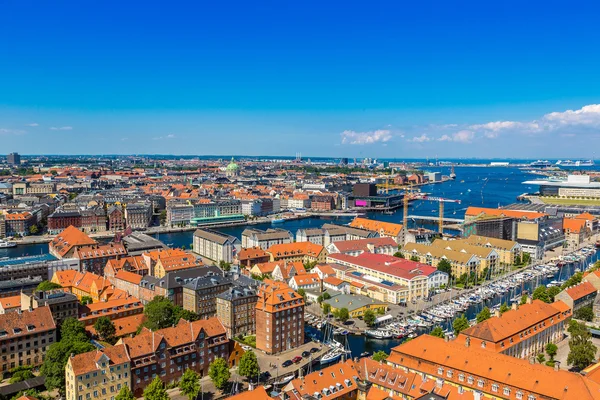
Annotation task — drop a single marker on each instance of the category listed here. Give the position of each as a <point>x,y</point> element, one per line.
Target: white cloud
<point>169,136</point>
<point>419,139</point>
<point>463,136</point>
<point>61,128</point>
<point>587,115</point>
<point>368,137</point>
<point>33,124</point>
<point>7,131</point>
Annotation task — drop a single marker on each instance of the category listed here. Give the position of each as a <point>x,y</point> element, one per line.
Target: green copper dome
<point>232,167</point>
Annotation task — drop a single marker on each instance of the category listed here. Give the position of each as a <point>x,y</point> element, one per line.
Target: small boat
<point>378,334</point>
<point>278,221</point>
<point>6,244</point>
<point>333,355</point>
<point>285,379</point>
<point>365,354</point>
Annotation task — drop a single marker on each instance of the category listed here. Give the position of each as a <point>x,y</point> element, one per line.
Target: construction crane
<point>440,200</point>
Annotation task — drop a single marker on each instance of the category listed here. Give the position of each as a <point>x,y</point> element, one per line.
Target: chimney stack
<point>515,305</point>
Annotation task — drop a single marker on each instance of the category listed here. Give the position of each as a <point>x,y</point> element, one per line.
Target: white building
<point>215,245</point>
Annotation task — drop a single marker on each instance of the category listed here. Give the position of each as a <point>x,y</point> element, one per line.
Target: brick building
<point>279,318</point>
<point>236,309</point>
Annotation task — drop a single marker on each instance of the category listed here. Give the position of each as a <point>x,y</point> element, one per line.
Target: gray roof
<point>140,241</point>
<point>351,301</point>
<point>237,292</point>
<point>177,279</point>
<point>214,236</point>
<point>338,229</point>
<point>207,281</point>
<point>268,234</point>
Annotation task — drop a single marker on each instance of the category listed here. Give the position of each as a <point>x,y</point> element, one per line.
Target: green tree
<point>484,314</point>
<point>56,359</point>
<point>86,300</point>
<point>540,293</point>
<point>22,375</point>
<point>504,308</point>
<point>249,365</point>
<point>380,355</point>
<point>524,299</point>
<point>551,350</point>
<point>525,258</point>
<point>437,332</point>
<point>225,266</point>
<point>219,373</point>
<point>160,313</point>
<point>190,384</point>
<point>582,351</point>
<point>33,230</point>
<point>343,314</point>
<point>183,247</point>
<point>302,293</point>
<point>584,314</point>
<point>398,254</point>
<point>156,390</point>
<point>326,308</point>
<point>73,330</point>
<point>163,217</point>
<point>541,358</point>
<point>445,266</point>
<point>369,317</point>
<point>106,330</point>
<point>414,258</point>
<point>572,281</point>
<point>552,292</point>
<point>326,296</point>
<point>47,285</point>
<point>320,299</point>
<point>460,324</point>
<point>125,394</point>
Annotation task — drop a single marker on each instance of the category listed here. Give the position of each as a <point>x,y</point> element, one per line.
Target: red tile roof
<point>87,362</point>
<point>581,290</point>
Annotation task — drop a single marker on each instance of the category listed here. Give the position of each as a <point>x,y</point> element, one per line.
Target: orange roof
<point>476,211</point>
<point>332,280</point>
<point>89,252</point>
<point>69,238</point>
<point>18,216</point>
<point>87,362</point>
<point>383,228</point>
<point>257,394</point>
<point>332,382</point>
<point>124,326</point>
<point>325,269</point>
<point>10,302</point>
<point>277,295</point>
<point>427,354</point>
<point>573,225</point>
<point>306,279</point>
<point>581,290</point>
<point>128,277</point>
<point>586,216</point>
<point>295,249</point>
<point>252,253</point>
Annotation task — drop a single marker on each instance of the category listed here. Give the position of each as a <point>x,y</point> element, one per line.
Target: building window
<point>461,377</point>
<point>470,380</point>
<point>519,395</point>
<point>494,388</point>
<point>440,370</point>
<point>480,383</point>
<point>506,391</point>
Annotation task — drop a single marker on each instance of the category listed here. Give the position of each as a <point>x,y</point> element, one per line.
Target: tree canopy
<point>156,390</point>
<point>504,308</point>
<point>343,314</point>
<point>582,351</point>
<point>484,314</point>
<point>584,314</point>
<point>106,330</point>
<point>445,266</point>
<point>460,324</point>
<point>190,384</point>
<point>541,293</point>
<point>326,308</point>
<point>125,394</point>
<point>369,317</point>
<point>161,313</point>
<point>437,332</point>
<point>219,373</point>
<point>249,365</point>
<point>47,285</point>
<point>380,355</point>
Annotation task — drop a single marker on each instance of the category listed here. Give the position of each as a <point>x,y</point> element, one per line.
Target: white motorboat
<point>378,334</point>
<point>4,244</point>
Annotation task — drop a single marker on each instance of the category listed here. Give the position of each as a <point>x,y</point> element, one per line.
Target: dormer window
<point>16,331</point>
<point>30,327</point>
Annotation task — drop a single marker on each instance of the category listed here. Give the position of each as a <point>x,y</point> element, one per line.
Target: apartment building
<point>116,218</point>
<point>161,262</point>
<point>98,374</point>
<point>25,337</point>
<point>522,332</point>
<point>418,278</point>
<point>509,251</point>
<point>200,294</point>
<point>461,262</point>
<point>86,284</point>
<point>112,309</point>
<point>384,229</point>
<point>216,246</point>
<point>179,214</point>
<point>279,317</point>
<point>252,256</point>
<point>339,381</point>
<point>377,245</point>
<point>236,309</point>
<point>482,374</point>
<point>18,223</point>
<point>264,239</point>
<point>62,305</point>
<point>489,259</point>
<point>305,252</point>
<point>93,258</point>
<point>138,215</point>
<point>578,296</point>
<point>168,353</point>
<point>66,242</point>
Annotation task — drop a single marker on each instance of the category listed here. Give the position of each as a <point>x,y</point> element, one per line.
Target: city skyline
<point>387,81</point>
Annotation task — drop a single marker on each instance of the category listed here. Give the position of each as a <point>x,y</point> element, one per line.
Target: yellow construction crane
<point>407,195</point>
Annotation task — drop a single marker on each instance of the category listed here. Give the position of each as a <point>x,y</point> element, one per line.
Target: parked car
<point>305,354</point>
<point>296,359</point>
<point>287,363</point>
<point>314,350</point>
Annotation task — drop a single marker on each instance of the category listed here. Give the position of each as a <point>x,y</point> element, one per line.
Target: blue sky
<point>356,79</point>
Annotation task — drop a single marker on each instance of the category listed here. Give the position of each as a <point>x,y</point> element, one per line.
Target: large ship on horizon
<point>576,163</point>
<point>541,164</point>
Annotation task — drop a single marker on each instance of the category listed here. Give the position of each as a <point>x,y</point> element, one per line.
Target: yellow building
<point>98,374</point>
<point>462,263</point>
<point>356,304</point>
<point>508,251</point>
<point>304,252</point>
<point>488,257</point>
